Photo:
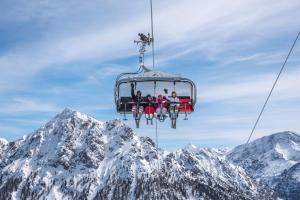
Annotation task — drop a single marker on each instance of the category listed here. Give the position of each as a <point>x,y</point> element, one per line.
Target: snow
<point>289,151</point>
<point>76,154</point>
<point>273,159</point>
<point>275,168</point>
<point>297,176</point>
<point>295,146</point>
<point>275,153</point>
<point>14,195</point>
<point>3,145</point>
<point>55,193</point>
<point>3,141</point>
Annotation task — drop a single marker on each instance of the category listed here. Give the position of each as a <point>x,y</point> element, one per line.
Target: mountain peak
<point>3,142</point>
<point>3,145</point>
<point>269,157</point>
<point>75,156</point>
<point>284,135</point>
<point>68,113</point>
<point>191,147</point>
<point>69,122</point>
<point>269,142</point>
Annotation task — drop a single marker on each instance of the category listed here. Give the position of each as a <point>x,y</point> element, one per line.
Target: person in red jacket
<point>161,107</point>
<point>149,109</point>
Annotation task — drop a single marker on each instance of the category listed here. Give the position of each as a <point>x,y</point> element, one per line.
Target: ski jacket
<point>174,101</point>
<point>139,101</point>
<point>161,102</point>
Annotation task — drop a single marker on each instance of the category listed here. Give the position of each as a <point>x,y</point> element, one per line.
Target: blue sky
<point>57,54</point>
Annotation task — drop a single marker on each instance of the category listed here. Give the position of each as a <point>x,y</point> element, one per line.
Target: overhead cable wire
<point>272,89</point>
<point>153,67</point>
<point>270,93</point>
<point>152,35</point>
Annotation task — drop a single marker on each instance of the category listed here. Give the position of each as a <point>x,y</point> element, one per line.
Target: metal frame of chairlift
<point>150,80</point>
<point>142,76</point>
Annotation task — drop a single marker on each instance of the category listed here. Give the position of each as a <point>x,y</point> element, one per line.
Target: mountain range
<point>74,156</point>
<point>273,160</point>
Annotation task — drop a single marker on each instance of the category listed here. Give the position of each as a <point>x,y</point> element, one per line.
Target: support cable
<point>270,93</point>
<point>156,132</point>
<point>152,35</point>
<point>153,66</point>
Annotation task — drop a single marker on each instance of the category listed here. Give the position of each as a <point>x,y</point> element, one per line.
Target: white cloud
<point>253,87</point>
<point>103,31</point>
<point>213,26</point>
<point>23,105</point>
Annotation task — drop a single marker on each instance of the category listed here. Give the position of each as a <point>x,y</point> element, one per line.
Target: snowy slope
<point>3,146</point>
<point>273,159</point>
<point>3,143</point>
<point>77,157</point>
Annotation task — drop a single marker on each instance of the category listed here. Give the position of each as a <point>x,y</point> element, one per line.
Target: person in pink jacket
<point>161,107</point>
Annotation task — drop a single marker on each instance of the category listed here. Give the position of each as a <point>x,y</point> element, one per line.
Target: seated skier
<point>149,109</point>
<point>138,106</point>
<point>174,104</point>
<point>161,107</point>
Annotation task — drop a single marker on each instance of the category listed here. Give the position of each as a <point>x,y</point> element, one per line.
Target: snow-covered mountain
<point>77,157</point>
<point>275,160</point>
<point>3,145</point>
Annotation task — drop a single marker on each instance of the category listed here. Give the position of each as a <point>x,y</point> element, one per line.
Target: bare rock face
<point>274,160</point>
<point>77,157</point>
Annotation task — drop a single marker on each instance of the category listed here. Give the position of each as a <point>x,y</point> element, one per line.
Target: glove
<point>166,91</point>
